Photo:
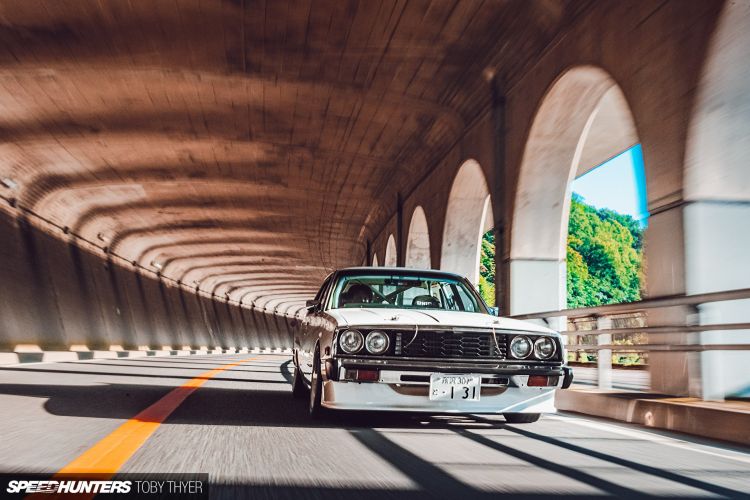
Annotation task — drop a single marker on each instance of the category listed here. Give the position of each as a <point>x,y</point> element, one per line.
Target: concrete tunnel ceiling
<point>253,146</point>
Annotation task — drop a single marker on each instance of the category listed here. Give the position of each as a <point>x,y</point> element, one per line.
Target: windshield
<point>405,292</point>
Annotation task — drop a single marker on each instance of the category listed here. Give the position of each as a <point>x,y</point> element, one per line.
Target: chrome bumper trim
<point>377,396</point>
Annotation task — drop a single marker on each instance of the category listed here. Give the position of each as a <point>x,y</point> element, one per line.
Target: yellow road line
<point>110,453</point>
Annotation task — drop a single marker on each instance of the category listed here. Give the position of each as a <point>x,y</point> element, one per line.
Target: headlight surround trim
<point>353,347</point>
<point>520,338</point>
<point>540,341</point>
<point>380,335</point>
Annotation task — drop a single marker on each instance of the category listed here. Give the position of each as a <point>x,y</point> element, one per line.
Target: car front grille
<point>450,344</point>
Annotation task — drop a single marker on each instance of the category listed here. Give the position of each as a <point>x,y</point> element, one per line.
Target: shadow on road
<point>272,405</point>
<point>144,375</point>
<point>277,492</point>
<point>207,406</point>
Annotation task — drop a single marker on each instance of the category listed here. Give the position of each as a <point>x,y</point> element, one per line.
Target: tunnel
<point>177,180</point>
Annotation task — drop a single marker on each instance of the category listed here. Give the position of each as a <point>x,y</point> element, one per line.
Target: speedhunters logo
<point>70,486</point>
<point>194,486</point>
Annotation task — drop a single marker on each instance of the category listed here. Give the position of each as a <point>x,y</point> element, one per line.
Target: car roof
<point>399,270</point>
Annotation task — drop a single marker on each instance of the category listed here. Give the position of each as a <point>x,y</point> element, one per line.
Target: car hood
<point>426,318</point>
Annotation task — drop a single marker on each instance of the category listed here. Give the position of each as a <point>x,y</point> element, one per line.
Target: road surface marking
<point>669,441</point>
<point>112,451</point>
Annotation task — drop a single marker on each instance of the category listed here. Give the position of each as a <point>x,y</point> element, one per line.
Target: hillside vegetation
<point>604,257</point>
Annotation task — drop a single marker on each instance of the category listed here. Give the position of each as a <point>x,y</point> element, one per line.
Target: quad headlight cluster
<point>375,342</point>
<point>543,348</point>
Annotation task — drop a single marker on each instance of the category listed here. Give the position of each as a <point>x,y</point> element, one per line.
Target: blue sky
<point>618,184</point>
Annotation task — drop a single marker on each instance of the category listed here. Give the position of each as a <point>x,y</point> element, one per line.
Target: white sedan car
<point>408,340</point>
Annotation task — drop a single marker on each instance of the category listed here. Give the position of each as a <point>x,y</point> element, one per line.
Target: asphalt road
<point>244,429</point>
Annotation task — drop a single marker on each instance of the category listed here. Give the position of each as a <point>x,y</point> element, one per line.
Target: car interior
<point>358,294</point>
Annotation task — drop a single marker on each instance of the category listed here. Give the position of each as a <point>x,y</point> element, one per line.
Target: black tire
<point>316,389</point>
<point>299,388</point>
<point>521,418</point>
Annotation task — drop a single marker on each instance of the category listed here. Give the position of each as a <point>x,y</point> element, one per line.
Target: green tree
<point>487,268</point>
<point>604,256</point>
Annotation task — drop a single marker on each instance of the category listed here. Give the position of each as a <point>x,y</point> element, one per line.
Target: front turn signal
<point>542,380</point>
<point>362,375</point>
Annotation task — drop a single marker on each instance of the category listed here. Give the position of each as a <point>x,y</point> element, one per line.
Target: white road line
<point>669,441</point>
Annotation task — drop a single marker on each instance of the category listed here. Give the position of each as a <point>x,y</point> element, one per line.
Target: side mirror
<point>312,305</point>
<point>495,311</point>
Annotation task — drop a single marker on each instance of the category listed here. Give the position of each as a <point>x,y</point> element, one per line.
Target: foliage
<point>487,268</point>
<point>487,291</point>
<point>604,256</point>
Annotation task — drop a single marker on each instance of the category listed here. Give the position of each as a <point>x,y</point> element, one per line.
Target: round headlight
<point>376,342</point>
<point>544,347</point>
<point>520,347</point>
<point>351,341</point>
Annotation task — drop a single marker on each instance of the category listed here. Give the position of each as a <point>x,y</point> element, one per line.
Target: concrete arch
<point>717,146</point>
<point>583,118</point>
<point>391,253</point>
<point>468,217</point>
<point>418,241</point>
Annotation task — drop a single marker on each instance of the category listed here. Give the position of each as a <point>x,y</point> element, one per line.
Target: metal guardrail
<point>603,317</point>
<point>628,307</point>
<point>663,347</point>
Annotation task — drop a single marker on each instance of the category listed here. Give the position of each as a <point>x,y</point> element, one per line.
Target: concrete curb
<point>689,415</point>
<point>22,357</point>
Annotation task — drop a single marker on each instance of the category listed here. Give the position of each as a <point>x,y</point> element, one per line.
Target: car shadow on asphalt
<point>263,403</point>
<point>206,406</point>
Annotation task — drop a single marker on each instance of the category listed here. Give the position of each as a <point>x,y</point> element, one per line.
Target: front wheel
<point>316,389</point>
<point>521,418</point>
<point>299,389</point>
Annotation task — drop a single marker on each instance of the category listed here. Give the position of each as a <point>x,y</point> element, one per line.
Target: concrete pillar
<point>692,248</point>
<point>717,243</point>
<point>664,269</point>
<point>538,285</point>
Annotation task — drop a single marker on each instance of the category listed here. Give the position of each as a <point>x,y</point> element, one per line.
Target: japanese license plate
<point>451,386</point>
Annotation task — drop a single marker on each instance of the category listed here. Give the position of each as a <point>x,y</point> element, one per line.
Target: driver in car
<point>359,294</point>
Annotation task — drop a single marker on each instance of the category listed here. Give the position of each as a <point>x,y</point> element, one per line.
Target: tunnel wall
<point>57,292</point>
<point>657,56</point>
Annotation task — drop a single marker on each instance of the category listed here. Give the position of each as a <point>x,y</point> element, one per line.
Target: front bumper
<point>509,393</point>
